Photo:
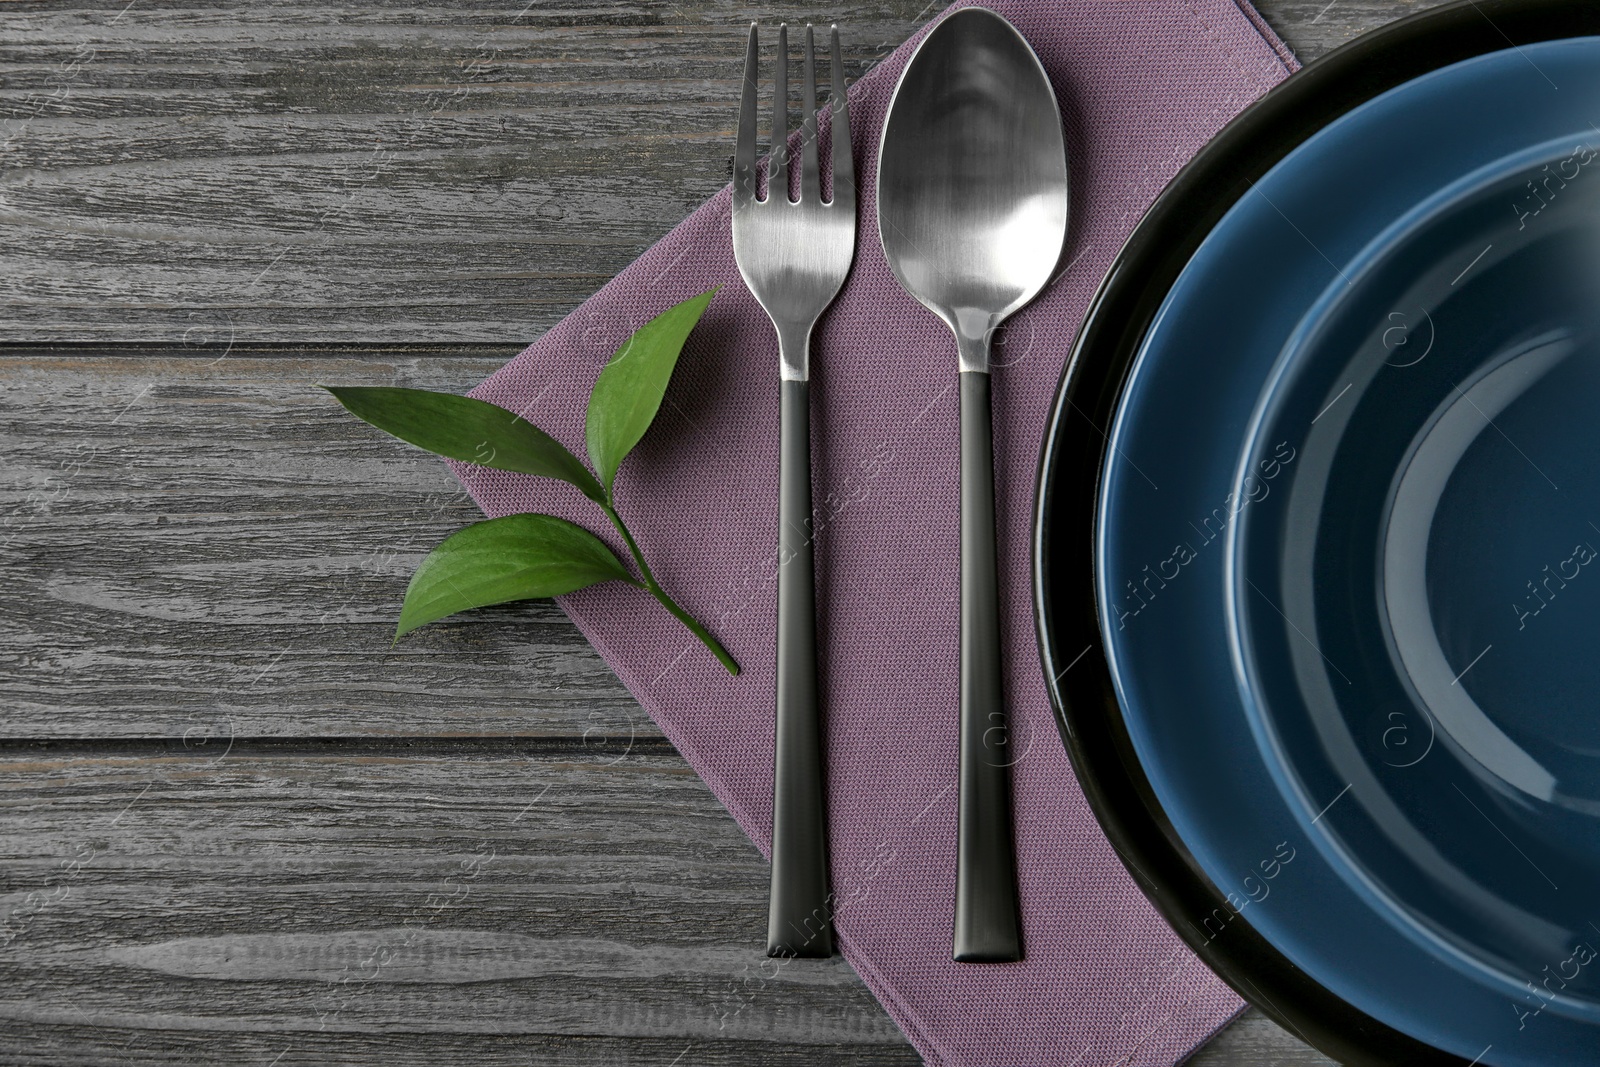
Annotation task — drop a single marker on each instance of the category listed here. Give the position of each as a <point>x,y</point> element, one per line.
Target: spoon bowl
<point>972,178</point>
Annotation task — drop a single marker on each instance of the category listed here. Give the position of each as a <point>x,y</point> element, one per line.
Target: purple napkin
<point>1142,85</point>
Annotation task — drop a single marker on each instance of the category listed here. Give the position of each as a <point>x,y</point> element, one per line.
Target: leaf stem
<point>654,588</point>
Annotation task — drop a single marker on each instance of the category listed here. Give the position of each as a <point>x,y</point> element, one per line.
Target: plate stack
<point>1318,545</point>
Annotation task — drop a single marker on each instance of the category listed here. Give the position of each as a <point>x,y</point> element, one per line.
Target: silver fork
<point>794,256</point>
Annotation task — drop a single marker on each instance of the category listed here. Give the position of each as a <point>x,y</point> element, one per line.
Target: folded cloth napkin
<point>1142,85</point>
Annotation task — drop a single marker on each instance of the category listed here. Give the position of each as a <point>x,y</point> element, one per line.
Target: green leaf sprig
<point>522,557</point>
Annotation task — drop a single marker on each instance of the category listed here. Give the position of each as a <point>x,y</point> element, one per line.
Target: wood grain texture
<point>206,541</point>
<point>235,826</point>
<point>521,904</point>
<point>392,172</point>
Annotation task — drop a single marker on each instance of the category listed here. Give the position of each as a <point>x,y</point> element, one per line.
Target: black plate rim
<point>1077,675</point>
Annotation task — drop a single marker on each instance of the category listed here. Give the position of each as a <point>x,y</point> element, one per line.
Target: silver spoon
<point>972,212</point>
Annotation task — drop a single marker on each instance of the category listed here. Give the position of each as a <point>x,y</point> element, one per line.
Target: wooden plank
<point>1253,1040</point>
<point>434,171</point>
<point>202,541</point>
<point>475,905</point>
<point>1313,28</point>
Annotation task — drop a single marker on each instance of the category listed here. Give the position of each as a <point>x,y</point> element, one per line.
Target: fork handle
<point>987,927</point>
<point>800,912</point>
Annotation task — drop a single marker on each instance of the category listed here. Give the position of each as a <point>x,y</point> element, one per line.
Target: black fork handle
<point>800,912</point>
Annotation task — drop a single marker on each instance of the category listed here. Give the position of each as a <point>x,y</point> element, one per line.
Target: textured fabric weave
<point>1142,85</point>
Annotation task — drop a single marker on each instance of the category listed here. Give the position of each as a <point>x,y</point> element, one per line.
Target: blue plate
<point>1346,571</point>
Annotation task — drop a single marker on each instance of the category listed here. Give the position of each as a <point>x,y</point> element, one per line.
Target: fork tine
<point>844,177</point>
<point>744,151</point>
<point>810,182</point>
<point>778,169</point>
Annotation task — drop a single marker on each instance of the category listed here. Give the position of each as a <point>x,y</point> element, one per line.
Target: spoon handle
<point>987,928</point>
<point>800,910</point>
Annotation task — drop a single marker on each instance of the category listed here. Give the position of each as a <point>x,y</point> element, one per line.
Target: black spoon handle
<point>988,928</point>
<point>800,912</point>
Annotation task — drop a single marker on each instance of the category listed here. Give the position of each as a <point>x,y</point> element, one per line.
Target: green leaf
<point>460,427</point>
<point>519,557</point>
<point>628,393</point>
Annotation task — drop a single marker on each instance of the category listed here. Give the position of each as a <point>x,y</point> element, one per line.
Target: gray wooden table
<point>236,826</point>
